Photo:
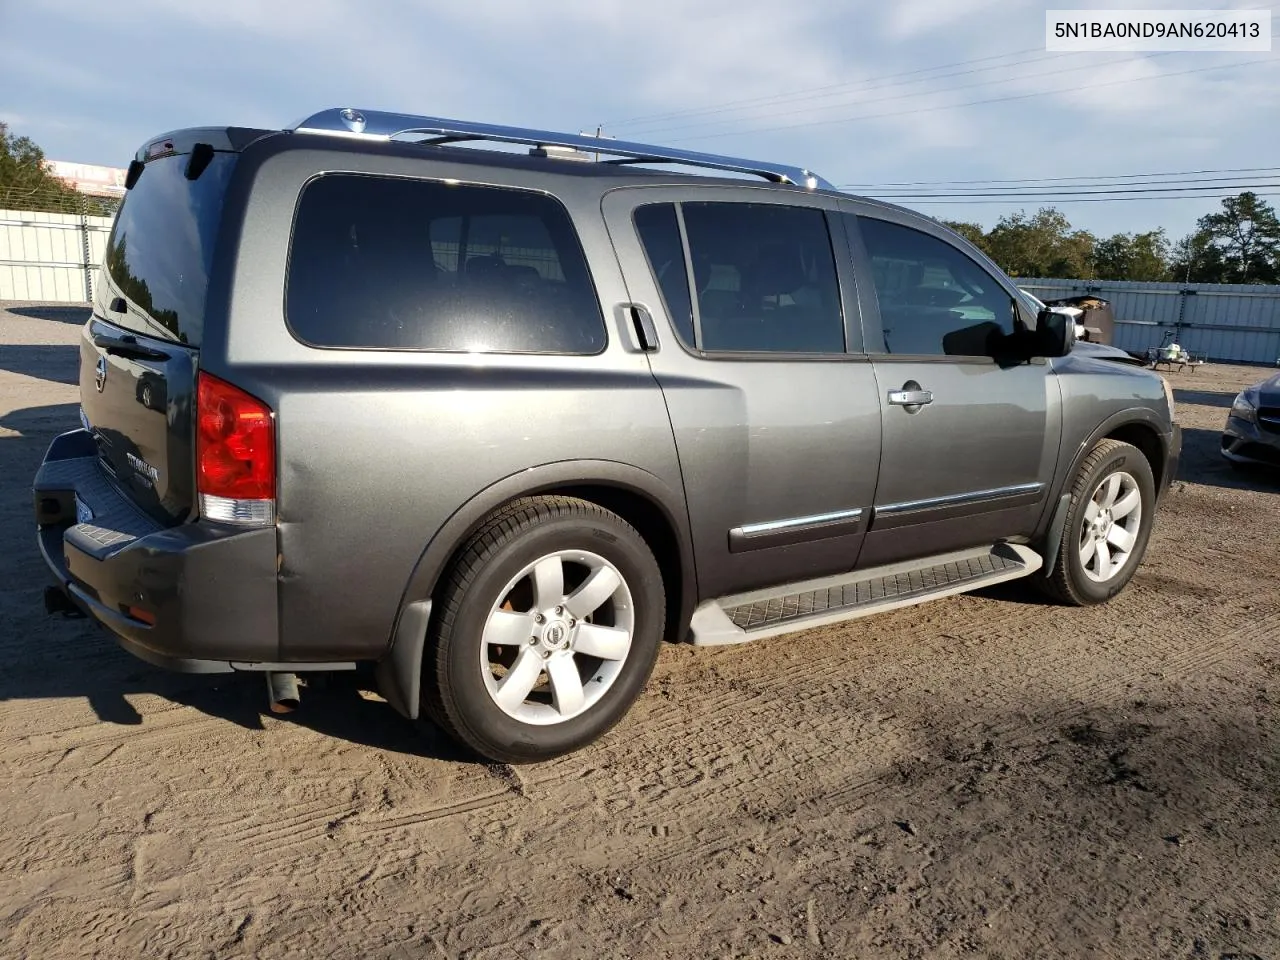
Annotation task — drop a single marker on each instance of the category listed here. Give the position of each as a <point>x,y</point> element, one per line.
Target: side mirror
<point>1055,332</point>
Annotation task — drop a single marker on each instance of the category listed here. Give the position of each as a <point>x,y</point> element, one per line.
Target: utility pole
<point>599,135</point>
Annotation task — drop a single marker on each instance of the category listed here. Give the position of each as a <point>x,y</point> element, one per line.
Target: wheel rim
<point>557,637</point>
<point>1109,530</point>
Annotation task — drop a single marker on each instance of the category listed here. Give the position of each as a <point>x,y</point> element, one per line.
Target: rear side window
<point>379,262</point>
<point>765,277</point>
<point>161,248</point>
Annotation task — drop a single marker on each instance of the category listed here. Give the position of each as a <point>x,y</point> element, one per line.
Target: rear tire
<point>1108,525</point>
<point>550,623</point>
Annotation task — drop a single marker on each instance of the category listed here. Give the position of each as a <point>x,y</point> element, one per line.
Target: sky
<point>865,92</point>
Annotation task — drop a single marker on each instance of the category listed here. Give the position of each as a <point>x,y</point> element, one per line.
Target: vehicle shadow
<point>1202,462</point>
<point>55,657</point>
<point>57,363</point>
<point>1204,398</point>
<point>75,314</point>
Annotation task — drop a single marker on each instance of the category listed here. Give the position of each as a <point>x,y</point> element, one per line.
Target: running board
<point>815,603</point>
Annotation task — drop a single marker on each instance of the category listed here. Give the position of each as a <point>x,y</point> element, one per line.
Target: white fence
<point>50,256</point>
<point>1229,322</point>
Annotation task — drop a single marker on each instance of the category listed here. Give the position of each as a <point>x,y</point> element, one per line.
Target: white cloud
<point>905,19</point>
<point>91,81</point>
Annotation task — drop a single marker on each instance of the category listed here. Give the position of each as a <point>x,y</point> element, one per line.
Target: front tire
<point>550,623</point>
<point>1108,525</point>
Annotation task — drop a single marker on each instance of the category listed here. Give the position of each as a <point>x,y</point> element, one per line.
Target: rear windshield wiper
<point>127,346</point>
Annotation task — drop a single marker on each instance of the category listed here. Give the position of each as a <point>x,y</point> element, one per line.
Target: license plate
<point>83,513</point>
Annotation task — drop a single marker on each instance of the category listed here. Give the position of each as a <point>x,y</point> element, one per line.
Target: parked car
<point>1252,433</point>
<point>498,424</point>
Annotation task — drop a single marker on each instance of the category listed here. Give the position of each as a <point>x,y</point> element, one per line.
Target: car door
<point>758,353</point>
<point>970,431</point>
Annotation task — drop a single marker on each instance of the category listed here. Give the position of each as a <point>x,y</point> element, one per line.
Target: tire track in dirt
<point>753,794</point>
<point>174,723</point>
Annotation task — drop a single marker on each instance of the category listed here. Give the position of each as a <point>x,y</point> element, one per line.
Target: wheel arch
<point>642,499</point>
<point>1137,426</point>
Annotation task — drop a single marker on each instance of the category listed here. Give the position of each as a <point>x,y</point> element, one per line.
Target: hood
<point>1268,391</point>
<point>1103,351</point>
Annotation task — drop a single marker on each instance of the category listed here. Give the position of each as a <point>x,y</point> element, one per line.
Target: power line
<point>973,103</point>
<point>904,96</point>
<point>1033,180</point>
<point>810,90</point>
<point>1220,183</point>
<point>1054,201</point>
<point>1190,191</point>
<point>871,83</point>
<point>842,89</point>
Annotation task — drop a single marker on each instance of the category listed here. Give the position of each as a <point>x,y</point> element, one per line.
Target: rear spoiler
<point>222,139</point>
<point>200,142</point>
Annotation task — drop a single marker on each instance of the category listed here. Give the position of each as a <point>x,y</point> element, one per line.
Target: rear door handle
<point>910,398</point>
<point>642,324</point>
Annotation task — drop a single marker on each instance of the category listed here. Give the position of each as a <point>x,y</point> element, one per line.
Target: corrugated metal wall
<point>1237,322</point>
<point>50,256</point>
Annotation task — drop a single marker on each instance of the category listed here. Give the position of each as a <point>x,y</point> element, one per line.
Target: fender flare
<point>1143,416</point>
<point>399,671</point>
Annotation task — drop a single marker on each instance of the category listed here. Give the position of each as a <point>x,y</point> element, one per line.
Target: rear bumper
<point>1246,442</point>
<point>209,589</point>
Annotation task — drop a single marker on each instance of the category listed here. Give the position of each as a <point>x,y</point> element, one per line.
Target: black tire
<point>454,694</point>
<point>1069,583</point>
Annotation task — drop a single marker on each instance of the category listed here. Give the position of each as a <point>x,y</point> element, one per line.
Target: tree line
<point>27,184</point>
<point>1238,244</point>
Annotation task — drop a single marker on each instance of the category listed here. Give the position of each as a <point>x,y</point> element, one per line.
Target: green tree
<point>972,232</point>
<point>1241,244</point>
<point>27,184</point>
<point>1041,245</point>
<point>1132,256</point>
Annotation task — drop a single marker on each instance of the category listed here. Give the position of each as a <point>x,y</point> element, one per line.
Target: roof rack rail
<point>374,124</point>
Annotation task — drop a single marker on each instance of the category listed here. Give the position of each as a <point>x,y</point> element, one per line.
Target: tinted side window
<point>933,298</point>
<point>765,277</point>
<point>420,265</point>
<point>660,235</point>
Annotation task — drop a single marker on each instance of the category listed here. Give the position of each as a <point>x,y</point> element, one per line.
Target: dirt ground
<point>983,776</point>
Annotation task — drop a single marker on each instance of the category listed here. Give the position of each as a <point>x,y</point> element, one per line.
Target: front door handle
<point>910,398</point>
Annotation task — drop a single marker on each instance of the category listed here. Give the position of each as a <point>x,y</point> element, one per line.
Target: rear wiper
<point>127,346</point>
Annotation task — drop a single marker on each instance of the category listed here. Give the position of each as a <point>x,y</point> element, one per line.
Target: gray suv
<point>499,421</point>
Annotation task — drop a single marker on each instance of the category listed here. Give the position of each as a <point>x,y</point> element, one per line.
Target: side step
<point>815,603</point>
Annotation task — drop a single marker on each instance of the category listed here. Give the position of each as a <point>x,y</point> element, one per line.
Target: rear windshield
<point>161,248</point>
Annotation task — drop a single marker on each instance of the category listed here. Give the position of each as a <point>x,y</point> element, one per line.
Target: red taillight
<point>235,443</point>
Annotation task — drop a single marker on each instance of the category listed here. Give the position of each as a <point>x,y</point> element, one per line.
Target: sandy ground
<point>983,776</point>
